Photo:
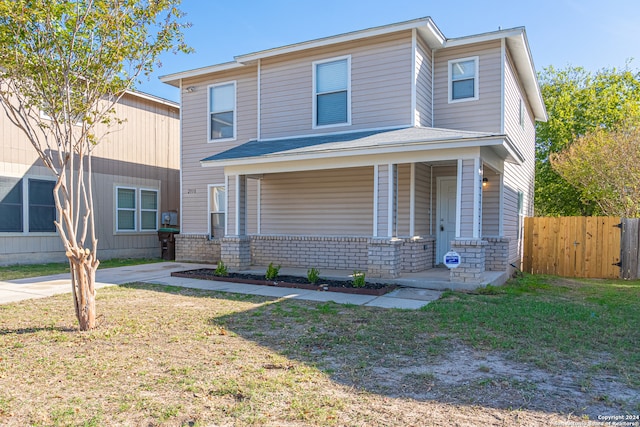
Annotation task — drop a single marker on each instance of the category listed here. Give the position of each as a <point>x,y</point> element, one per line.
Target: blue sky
<point>588,33</point>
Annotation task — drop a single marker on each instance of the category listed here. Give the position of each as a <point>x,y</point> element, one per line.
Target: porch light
<point>485,181</point>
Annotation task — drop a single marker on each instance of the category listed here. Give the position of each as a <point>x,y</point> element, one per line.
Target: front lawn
<point>21,271</point>
<point>539,351</point>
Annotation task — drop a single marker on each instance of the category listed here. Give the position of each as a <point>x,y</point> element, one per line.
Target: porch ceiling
<point>362,143</point>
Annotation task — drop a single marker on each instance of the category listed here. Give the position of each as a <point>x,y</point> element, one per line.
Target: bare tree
<point>64,64</point>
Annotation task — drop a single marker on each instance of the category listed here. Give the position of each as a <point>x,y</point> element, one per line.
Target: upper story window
<point>463,79</point>
<point>222,111</point>
<point>332,87</point>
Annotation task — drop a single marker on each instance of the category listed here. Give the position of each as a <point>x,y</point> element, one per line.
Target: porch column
<point>235,250</point>
<point>384,258</point>
<point>468,242</point>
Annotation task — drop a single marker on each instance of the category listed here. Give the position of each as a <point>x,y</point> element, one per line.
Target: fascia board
<point>174,79</point>
<point>389,149</point>
<point>356,35</point>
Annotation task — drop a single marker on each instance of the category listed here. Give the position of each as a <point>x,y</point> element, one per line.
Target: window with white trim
<point>331,96</point>
<point>521,113</point>
<point>125,209</point>
<point>217,210</point>
<point>148,210</point>
<point>222,111</point>
<point>136,209</point>
<point>463,79</point>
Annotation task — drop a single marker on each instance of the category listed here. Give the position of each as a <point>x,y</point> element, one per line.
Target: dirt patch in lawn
<point>491,379</point>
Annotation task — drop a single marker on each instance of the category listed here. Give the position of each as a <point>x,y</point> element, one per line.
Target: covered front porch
<point>390,209</point>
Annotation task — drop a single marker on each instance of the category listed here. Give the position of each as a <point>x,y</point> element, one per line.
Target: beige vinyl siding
<point>327,202</point>
<point>491,204</point>
<point>517,178</point>
<point>142,152</point>
<point>423,200</point>
<point>195,178</point>
<point>380,86</point>
<point>423,84</point>
<point>466,206</point>
<point>482,115</point>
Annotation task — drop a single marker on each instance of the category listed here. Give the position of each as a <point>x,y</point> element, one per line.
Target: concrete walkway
<point>160,273</point>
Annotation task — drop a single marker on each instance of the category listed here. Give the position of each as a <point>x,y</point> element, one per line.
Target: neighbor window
<point>217,210</point>
<point>148,210</point>
<point>136,204</point>
<point>27,205</point>
<point>125,209</point>
<point>42,207</point>
<point>463,79</point>
<point>331,92</point>
<point>522,114</point>
<point>222,111</point>
<point>10,204</point>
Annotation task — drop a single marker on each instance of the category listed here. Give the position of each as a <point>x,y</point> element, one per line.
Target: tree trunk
<point>83,279</point>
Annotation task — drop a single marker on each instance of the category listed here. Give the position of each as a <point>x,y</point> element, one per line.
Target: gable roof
<point>516,40</point>
<point>361,142</point>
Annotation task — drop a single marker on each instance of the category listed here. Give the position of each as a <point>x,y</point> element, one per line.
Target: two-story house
<point>135,179</point>
<point>378,150</point>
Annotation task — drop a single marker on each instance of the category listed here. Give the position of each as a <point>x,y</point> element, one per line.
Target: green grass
<point>21,271</point>
<point>547,319</point>
<point>176,356</point>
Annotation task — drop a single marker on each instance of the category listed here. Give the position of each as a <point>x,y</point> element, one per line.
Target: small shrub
<point>313,275</point>
<point>221,270</point>
<point>272,272</point>
<point>358,280</point>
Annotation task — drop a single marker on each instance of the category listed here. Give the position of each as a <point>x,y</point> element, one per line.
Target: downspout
<point>433,73</point>
<point>259,87</point>
<point>431,230</point>
<point>180,156</point>
<point>502,91</point>
<point>414,48</point>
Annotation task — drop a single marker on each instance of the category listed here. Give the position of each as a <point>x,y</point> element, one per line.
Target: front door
<point>446,219</point>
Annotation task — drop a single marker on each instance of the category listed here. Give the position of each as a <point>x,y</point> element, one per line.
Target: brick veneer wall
<point>343,253</point>
<point>472,261</point>
<point>418,254</point>
<point>384,257</point>
<point>197,248</point>
<point>497,254</point>
<point>236,252</point>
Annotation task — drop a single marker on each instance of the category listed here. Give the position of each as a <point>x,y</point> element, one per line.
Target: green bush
<point>313,275</point>
<point>358,280</point>
<point>221,270</point>
<point>272,272</point>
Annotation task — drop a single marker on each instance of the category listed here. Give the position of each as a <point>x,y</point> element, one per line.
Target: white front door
<point>446,219</point>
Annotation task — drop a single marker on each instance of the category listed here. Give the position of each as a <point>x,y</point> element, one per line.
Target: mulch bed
<point>344,286</point>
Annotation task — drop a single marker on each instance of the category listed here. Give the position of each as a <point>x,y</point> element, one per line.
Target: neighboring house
<point>378,150</point>
<point>135,178</point>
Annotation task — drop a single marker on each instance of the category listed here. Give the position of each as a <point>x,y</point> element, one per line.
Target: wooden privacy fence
<point>574,246</point>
